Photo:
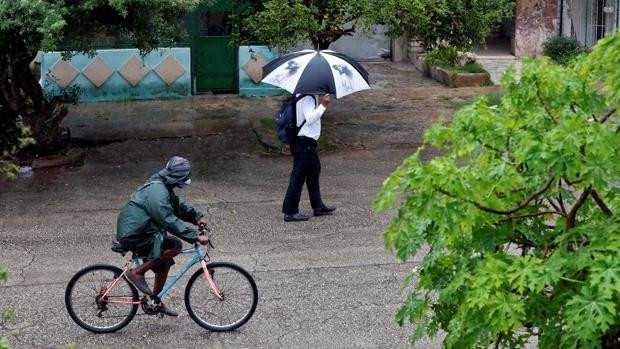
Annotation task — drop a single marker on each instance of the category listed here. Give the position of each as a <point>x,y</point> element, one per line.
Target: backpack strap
<point>297,99</point>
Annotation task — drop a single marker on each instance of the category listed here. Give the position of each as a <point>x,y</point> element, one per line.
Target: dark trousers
<point>306,168</point>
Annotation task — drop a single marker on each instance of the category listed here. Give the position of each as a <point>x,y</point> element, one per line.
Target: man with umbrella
<point>306,163</point>
<point>320,73</point>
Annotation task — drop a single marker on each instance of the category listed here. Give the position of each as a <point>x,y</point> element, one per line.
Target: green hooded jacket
<point>153,210</point>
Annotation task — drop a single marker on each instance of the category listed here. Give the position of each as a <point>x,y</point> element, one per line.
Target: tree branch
<point>535,214</point>
<point>505,212</point>
<point>544,104</point>
<point>607,116</point>
<point>570,218</point>
<point>561,202</point>
<point>599,201</point>
<point>553,204</point>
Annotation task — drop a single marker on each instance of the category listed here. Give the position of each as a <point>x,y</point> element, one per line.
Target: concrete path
<point>497,65</point>
<point>496,57</point>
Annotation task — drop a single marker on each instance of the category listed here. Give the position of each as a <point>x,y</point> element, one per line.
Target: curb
<point>73,156</point>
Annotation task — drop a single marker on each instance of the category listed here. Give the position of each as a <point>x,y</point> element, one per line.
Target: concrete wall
<point>364,46</point>
<point>119,74</point>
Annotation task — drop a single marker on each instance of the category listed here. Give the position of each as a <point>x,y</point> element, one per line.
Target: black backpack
<point>286,119</point>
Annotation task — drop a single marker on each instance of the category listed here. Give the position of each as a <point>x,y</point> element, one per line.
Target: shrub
<point>562,49</point>
<point>446,57</point>
<point>442,56</point>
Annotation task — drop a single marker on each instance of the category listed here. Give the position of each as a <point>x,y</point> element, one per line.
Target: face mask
<point>186,183</point>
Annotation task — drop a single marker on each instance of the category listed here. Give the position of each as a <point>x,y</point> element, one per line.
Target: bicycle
<point>219,296</point>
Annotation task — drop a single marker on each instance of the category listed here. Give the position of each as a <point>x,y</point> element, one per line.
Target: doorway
<point>214,58</point>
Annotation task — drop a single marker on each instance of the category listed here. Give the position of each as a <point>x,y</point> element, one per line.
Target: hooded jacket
<point>153,210</point>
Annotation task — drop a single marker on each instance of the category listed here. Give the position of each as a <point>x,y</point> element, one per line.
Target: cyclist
<point>153,210</point>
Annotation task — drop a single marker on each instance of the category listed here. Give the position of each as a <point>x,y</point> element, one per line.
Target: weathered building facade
<point>535,21</point>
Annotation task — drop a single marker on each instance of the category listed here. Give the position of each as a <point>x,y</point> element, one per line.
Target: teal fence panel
<point>251,61</point>
<point>118,74</point>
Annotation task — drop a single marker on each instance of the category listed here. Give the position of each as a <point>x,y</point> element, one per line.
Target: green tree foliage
<point>455,23</point>
<point>286,22</point>
<point>4,343</point>
<point>517,220</point>
<point>29,26</point>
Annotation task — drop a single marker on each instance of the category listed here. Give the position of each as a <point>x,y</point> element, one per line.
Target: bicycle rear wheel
<point>238,290</point>
<point>87,306</point>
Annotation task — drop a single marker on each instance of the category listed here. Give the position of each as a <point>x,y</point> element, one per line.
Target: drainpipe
<point>561,17</point>
<point>587,24</point>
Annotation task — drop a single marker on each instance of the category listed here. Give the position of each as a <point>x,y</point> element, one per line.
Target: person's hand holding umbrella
<point>326,100</point>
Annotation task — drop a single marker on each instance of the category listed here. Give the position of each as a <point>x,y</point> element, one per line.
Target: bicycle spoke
<point>93,311</point>
<point>239,298</point>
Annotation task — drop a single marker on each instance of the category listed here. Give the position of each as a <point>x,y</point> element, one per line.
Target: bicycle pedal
<point>160,315</point>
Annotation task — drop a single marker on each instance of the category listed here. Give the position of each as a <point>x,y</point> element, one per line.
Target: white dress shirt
<point>309,111</point>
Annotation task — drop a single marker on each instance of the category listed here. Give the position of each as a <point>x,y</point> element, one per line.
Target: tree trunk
<point>22,101</point>
<point>324,39</point>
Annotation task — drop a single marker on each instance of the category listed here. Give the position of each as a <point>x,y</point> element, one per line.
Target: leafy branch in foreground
<point>519,213</point>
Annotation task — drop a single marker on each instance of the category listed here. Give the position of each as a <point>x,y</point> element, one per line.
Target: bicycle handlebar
<point>204,230</point>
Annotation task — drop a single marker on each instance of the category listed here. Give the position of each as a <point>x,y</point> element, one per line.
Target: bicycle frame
<point>135,260</point>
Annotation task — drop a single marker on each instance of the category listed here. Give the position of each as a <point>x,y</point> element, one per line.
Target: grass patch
<point>469,68</point>
<point>494,98</point>
<point>268,123</point>
<point>417,98</point>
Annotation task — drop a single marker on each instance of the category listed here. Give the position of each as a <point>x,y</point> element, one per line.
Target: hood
<point>176,172</point>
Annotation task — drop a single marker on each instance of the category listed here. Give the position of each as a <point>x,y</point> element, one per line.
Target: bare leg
<point>146,266</point>
<point>160,279</point>
<point>162,272</point>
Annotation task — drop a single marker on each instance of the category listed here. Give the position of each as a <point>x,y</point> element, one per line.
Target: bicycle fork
<point>209,280</point>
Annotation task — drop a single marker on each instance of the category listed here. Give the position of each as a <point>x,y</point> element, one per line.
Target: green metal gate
<point>214,57</point>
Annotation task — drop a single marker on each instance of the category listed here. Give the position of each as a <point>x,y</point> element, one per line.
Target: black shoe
<point>138,281</point>
<point>324,211</point>
<point>162,308</point>
<point>297,217</point>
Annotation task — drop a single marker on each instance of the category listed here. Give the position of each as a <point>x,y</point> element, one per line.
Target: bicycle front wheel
<point>89,308</point>
<point>238,302</point>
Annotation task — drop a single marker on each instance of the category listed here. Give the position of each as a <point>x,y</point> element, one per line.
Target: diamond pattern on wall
<point>63,73</point>
<point>254,67</point>
<point>169,70</point>
<point>98,72</point>
<point>134,70</point>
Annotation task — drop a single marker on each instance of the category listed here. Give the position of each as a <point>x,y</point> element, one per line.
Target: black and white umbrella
<point>316,72</point>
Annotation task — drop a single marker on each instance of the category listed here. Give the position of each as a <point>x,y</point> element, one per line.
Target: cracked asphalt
<point>325,283</point>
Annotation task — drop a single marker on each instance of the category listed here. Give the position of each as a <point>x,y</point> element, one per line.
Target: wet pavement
<point>325,283</point>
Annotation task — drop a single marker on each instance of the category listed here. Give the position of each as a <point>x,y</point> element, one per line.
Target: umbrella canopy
<point>316,72</point>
